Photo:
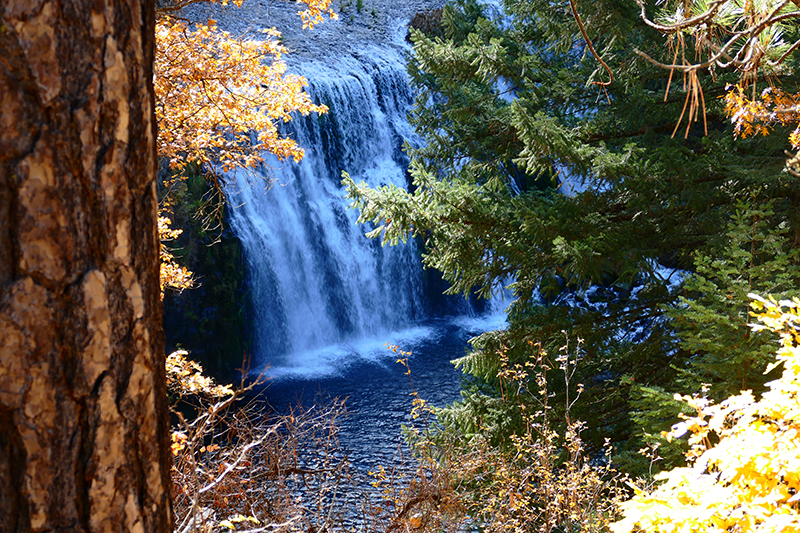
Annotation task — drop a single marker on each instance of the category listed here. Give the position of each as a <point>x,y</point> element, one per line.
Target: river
<point>377,389</point>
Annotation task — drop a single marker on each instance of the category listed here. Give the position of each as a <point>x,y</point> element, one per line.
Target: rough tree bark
<point>84,442</point>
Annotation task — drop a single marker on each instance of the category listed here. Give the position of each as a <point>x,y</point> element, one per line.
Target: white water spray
<point>316,280</point>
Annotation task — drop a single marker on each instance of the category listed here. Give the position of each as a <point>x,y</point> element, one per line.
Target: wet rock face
<point>361,22</point>
<point>428,22</point>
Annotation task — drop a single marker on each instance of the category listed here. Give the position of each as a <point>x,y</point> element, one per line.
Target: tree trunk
<point>84,437</point>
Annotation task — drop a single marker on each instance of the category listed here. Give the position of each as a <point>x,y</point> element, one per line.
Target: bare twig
<point>589,44</point>
<point>672,28</point>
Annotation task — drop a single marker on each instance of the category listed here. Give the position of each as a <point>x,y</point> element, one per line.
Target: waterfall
<point>315,279</point>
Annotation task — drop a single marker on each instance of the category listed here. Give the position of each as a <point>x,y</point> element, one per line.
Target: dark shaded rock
<point>209,320</point>
<point>428,22</point>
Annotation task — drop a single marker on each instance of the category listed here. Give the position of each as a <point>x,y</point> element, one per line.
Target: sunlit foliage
<point>755,38</point>
<point>756,116</point>
<point>185,376</point>
<point>744,457</point>
<point>315,12</point>
<point>237,467</point>
<point>540,479</point>
<point>172,274</point>
<point>219,99</point>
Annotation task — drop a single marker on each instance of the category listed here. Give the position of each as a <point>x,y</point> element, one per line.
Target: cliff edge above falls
<point>361,23</point>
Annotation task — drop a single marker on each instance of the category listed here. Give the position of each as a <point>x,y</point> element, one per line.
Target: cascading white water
<point>315,279</point>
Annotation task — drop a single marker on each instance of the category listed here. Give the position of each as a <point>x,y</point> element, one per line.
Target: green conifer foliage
<point>577,195</point>
<point>722,354</point>
<point>713,319</point>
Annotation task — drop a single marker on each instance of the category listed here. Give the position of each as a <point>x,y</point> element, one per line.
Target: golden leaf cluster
<point>179,439</point>
<point>185,376</point>
<point>315,12</point>
<point>219,102</point>
<point>231,522</point>
<point>744,462</point>
<point>172,274</point>
<point>756,116</point>
<point>219,99</point>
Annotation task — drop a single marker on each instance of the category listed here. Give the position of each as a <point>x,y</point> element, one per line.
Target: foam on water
<point>478,324</point>
<point>335,360</point>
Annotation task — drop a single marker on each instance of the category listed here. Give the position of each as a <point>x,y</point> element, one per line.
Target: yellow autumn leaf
<point>748,480</point>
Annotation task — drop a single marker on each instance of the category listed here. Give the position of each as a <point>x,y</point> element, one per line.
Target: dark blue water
<point>377,390</point>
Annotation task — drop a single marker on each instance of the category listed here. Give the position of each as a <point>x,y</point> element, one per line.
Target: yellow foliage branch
<point>219,99</point>
<point>756,116</point>
<point>172,274</point>
<point>749,481</point>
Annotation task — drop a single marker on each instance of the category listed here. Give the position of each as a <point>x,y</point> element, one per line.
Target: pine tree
<point>723,355</point>
<point>537,171</point>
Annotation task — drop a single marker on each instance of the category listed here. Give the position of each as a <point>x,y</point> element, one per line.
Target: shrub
<point>744,458</point>
<point>238,467</point>
<point>541,480</point>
